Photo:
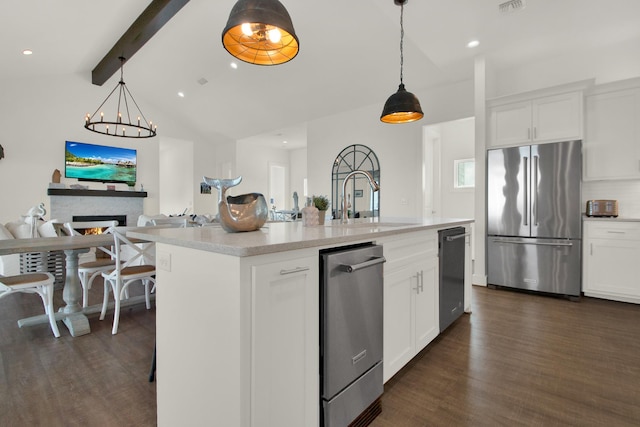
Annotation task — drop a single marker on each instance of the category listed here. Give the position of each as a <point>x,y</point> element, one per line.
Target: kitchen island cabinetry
<point>612,141</point>
<point>611,254</point>
<point>411,303</point>
<point>237,316</point>
<point>544,119</point>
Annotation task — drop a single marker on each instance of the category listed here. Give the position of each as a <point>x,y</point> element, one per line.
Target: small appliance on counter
<point>602,208</point>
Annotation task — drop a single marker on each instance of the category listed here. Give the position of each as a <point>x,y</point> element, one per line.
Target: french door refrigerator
<point>534,217</point>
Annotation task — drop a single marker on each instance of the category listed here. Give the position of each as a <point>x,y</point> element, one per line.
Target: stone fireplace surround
<point>67,203</point>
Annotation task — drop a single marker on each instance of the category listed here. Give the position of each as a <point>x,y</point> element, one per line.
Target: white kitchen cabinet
<point>610,260</point>
<point>240,344</point>
<point>544,119</point>
<point>411,304</point>
<point>284,343</point>
<point>611,148</point>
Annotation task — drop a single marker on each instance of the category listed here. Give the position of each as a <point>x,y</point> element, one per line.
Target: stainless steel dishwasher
<point>351,335</point>
<point>451,253</point>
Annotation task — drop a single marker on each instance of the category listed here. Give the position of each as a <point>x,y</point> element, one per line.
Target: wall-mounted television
<point>89,162</point>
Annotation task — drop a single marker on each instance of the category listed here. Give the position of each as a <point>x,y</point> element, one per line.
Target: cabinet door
<point>557,117</point>
<point>612,142</point>
<point>510,124</point>
<point>426,304</point>
<point>285,343</point>
<point>612,269</point>
<point>399,288</point>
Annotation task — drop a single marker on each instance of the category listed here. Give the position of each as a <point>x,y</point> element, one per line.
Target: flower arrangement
<point>321,202</point>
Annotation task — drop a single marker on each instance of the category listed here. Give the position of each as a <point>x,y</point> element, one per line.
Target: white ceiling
<point>349,53</point>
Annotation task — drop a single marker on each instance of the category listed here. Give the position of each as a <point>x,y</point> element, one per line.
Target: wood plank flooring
<point>519,359</point>
<point>523,359</point>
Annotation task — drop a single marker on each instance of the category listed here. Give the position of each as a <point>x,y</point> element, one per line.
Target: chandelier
<point>124,124</point>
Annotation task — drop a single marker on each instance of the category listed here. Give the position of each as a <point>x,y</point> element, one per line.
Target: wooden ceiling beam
<point>158,13</point>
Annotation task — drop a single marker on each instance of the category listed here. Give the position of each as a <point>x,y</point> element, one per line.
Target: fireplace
<point>122,220</point>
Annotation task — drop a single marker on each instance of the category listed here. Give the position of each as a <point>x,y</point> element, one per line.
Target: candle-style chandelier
<point>124,125</point>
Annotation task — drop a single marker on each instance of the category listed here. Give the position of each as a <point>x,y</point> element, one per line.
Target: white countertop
<point>286,236</point>
<point>600,218</point>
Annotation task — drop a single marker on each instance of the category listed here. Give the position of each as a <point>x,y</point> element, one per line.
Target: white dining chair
<point>89,270</point>
<point>174,221</point>
<point>127,272</point>
<point>33,283</point>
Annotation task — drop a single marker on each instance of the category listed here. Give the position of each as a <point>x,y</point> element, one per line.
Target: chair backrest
<point>129,253</point>
<point>71,228</point>
<point>175,221</point>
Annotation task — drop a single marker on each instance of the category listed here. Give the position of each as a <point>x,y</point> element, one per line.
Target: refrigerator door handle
<point>520,242</point>
<point>534,192</point>
<point>526,186</point>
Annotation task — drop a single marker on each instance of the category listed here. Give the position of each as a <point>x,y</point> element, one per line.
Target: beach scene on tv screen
<point>100,163</point>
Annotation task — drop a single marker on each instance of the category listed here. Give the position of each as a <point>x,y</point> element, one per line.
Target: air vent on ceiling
<point>203,81</point>
<point>511,6</point>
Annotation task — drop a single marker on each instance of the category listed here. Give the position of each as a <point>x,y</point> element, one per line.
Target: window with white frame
<point>464,173</point>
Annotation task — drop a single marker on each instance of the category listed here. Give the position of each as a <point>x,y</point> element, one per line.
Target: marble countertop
<point>286,236</point>
<point>600,218</point>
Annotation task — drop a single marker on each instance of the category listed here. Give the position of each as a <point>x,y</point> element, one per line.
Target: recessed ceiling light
<point>27,52</point>
<point>473,43</point>
<point>234,65</point>
<point>181,94</point>
<point>284,142</point>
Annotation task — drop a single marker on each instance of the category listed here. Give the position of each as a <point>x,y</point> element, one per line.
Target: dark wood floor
<point>522,359</point>
<point>519,359</point>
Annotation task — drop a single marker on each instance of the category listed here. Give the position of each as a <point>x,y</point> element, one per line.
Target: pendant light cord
<point>401,39</point>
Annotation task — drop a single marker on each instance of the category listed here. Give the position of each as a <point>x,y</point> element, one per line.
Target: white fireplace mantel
<point>65,203</point>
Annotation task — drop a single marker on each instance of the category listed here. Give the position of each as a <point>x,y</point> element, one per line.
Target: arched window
<point>364,202</point>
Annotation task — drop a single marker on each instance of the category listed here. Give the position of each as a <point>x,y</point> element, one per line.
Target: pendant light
<point>121,123</point>
<point>402,106</point>
<point>260,32</point>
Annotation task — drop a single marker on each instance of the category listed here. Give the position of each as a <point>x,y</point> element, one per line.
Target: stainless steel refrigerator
<point>534,217</point>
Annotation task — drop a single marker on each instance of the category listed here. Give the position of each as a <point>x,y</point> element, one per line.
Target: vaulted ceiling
<point>349,53</point>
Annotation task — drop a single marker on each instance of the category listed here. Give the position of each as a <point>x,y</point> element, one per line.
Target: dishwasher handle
<point>355,267</point>
<point>457,236</point>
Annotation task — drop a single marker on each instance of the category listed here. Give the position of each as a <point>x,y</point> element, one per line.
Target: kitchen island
<point>238,315</point>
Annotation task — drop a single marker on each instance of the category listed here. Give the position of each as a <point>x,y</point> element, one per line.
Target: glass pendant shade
<point>401,107</point>
<point>260,32</point>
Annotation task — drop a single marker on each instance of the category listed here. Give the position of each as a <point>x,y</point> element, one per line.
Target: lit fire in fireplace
<point>91,231</point>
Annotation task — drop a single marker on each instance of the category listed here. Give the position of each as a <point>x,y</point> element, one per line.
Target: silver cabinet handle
<point>535,132</point>
<point>616,232</point>
<point>293,270</point>
<point>528,133</point>
<point>421,280</point>
<point>373,261</point>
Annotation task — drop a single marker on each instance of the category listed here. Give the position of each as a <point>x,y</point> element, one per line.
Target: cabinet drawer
<point>401,251</point>
<point>612,230</point>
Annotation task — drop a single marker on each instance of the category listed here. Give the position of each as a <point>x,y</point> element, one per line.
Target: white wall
<point>604,63</point>
<point>298,173</point>
<point>398,147</point>
<point>456,142</point>
<point>176,185</point>
<point>252,163</point>
<point>38,114</point>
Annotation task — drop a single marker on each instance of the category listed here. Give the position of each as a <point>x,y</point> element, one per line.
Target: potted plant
<point>132,185</point>
<point>322,203</point>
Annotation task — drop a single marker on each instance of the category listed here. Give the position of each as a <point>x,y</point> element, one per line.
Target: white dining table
<point>72,313</point>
